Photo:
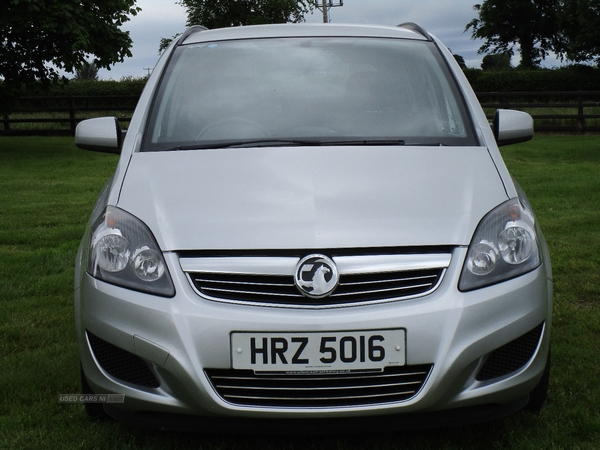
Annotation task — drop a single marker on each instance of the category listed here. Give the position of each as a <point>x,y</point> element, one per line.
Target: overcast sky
<point>444,18</point>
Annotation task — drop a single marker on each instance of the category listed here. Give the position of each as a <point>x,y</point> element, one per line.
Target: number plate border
<point>321,368</point>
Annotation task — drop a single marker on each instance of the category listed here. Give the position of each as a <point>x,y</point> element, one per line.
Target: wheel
<point>233,128</point>
<point>538,395</point>
<point>94,410</point>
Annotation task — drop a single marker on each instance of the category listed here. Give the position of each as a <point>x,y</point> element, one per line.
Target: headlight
<point>504,246</point>
<point>124,252</point>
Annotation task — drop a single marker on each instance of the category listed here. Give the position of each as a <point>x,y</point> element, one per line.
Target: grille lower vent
<point>122,364</point>
<point>270,280</point>
<point>244,387</point>
<point>512,356</point>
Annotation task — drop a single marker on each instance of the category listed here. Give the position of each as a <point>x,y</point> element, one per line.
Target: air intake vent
<point>242,387</point>
<point>512,356</point>
<point>121,364</point>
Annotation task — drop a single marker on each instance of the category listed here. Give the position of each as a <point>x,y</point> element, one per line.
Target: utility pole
<point>326,5</point>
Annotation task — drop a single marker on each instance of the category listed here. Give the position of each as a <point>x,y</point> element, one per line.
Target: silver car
<point>311,226</point>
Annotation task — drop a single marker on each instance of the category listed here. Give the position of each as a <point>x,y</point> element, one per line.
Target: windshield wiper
<point>248,143</point>
<point>314,142</point>
<point>274,142</point>
<point>365,142</point>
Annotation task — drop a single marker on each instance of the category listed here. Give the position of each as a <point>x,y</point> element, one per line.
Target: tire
<point>538,395</point>
<point>95,411</point>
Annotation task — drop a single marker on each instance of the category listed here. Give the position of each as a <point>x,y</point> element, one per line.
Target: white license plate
<point>313,352</point>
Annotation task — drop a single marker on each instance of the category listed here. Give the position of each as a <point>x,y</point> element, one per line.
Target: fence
<point>60,115</point>
<point>567,112</point>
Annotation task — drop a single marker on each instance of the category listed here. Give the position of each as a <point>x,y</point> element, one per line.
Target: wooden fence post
<point>581,119</point>
<point>6,121</point>
<point>72,114</point>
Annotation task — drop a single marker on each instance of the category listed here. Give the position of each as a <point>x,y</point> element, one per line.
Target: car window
<point>307,90</point>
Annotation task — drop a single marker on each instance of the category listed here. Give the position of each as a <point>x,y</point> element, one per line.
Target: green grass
<point>47,190</point>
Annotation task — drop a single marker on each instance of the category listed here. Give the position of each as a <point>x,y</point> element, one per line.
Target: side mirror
<point>102,134</point>
<point>511,127</point>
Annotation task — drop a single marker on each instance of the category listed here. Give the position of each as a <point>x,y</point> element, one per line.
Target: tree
<point>580,30</point>
<point>497,61</point>
<point>530,24</point>
<point>230,13</point>
<point>86,72</point>
<point>461,61</point>
<point>164,43</point>
<point>41,38</point>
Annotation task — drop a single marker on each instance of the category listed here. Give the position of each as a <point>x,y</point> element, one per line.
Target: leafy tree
<point>580,30</point>
<point>41,38</point>
<point>497,61</point>
<point>530,24</point>
<point>87,71</point>
<point>230,13</point>
<point>164,43</point>
<point>461,61</point>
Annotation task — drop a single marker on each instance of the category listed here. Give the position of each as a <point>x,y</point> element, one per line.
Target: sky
<point>443,18</point>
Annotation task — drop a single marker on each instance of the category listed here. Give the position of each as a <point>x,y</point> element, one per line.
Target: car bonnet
<point>308,197</point>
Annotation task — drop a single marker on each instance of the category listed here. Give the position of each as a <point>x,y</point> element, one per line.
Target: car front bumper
<point>179,338</point>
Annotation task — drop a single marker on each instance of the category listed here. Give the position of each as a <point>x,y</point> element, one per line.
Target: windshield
<point>307,91</point>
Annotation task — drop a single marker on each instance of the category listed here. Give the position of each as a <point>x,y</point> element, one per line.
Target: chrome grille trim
<point>249,265</point>
<point>394,384</point>
<point>269,281</point>
<point>232,291</point>
<point>364,264</point>
<point>381,291</point>
<point>358,283</point>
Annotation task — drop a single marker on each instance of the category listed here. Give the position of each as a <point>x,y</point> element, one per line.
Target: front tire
<point>95,411</point>
<point>538,395</point>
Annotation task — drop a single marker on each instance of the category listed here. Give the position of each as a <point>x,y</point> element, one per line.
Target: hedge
<point>100,88</point>
<point>133,86</point>
<point>574,78</point>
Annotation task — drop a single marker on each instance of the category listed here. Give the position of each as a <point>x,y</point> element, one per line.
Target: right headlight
<point>504,246</point>
<point>123,252</point>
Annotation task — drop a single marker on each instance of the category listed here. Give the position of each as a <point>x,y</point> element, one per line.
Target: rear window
<point>307,90</point>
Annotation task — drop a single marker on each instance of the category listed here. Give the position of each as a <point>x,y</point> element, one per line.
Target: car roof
<point>405,31</point>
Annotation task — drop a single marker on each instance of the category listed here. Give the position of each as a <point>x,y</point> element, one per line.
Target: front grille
<point>271,280</point>
<point>244,387</point>
<point>250,288</point>
<point>512,356</point>
<point>121,364</point>
<point>281,289</point>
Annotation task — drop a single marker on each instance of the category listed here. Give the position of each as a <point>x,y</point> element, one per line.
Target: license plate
<point>314,352</point>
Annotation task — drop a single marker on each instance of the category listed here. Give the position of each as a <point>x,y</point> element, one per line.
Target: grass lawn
<point>47,191</point>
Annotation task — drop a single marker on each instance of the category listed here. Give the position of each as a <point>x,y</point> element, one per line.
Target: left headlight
<point>504,246</point>
<point>124,252</point>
